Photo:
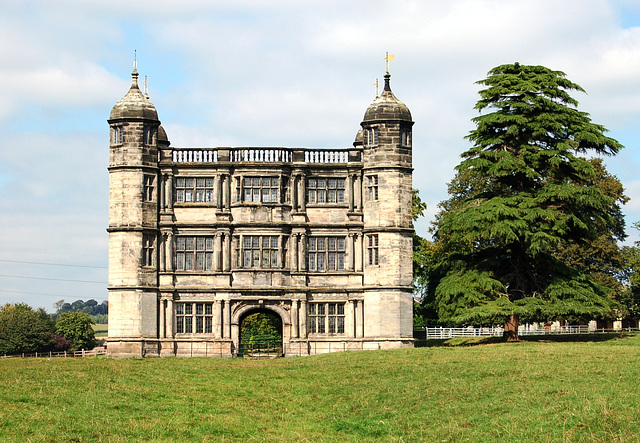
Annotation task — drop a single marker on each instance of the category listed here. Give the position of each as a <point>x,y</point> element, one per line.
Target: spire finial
<point>388,58</point>
<point>376,85</point>
<point>134,74</point>
<point>146,87</point>
<point>387,86</point>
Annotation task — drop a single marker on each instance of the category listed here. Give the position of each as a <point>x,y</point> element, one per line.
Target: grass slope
<point>100,330</point>
<point>529,391</point>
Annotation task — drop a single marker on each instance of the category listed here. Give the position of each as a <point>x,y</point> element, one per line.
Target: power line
<point>53,279</point>
<point>44,293</point>
<point>53,264</point>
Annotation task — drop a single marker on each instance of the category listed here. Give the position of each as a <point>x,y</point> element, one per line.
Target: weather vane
<point>388,58</point>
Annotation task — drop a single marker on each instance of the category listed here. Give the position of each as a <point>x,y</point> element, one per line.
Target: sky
<point>267,73</point>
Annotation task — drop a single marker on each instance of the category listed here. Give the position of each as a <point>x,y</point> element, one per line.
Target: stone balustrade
<point>260,155</point>
<point>264,155</point>
<point>199,155</point>
<point>326,156</point>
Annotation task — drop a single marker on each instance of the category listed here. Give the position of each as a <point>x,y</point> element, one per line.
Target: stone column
<point>163,318</point>
<point>293,242</point>
<point>217,252</point>
<point>162,266</point>
<point>217,319</point>
<point>169,248</point>
<point>349,251</point>
<point>294,319</point>
<point>240,185</point>
<point>161,191</point>
<point>360,319</point>
<point>350,180</point>
<point>169,192</point>
<point>358,193</point>
<point>227,192</point>
<point>282,258</point>
<point>218,190</point>
<point>226,319</point>
<point>294,192</point>
<point>170,311</point>
<point>226,253</point>
<point>302,257</point>
<point>302,201</point>
<point>350,319</point>
<point>358,255</point>
<point>303,319</point>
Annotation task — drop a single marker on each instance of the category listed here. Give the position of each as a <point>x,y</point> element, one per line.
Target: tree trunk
<point>511,328</point>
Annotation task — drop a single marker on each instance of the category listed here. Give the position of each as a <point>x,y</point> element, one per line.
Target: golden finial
<point>376,85</point>
<point>146,87</point>
<point>388,58</point>
<point>135,59</point>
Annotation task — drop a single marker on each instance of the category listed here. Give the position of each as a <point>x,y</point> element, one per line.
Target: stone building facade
<point>201,238</point>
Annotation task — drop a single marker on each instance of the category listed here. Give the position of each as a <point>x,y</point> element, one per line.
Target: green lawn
<point>529,391</point>
<point>100,330</point>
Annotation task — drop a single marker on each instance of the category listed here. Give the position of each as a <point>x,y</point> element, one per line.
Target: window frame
<point>372,187</point>
<point>372,136</point>
<point>373,257</point>
<point>251,189</point>
<point>200,190</point>
<point>326,253</point>
<point>326,318</point>
<point>148,250</point>
<point>251,250</point>
<point>148,134</point>
<point>332,194</point>
<point>187,253</point>
<point>194,317</point>
<point>118,135</point>
<point>148,186</point>
<point>405,137</point>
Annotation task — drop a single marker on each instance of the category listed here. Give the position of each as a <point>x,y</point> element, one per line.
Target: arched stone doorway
<point>260,330</point>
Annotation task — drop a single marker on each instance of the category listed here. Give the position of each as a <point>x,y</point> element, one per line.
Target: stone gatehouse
<point>201,237</point>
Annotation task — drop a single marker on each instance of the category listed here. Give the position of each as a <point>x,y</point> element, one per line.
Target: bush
<point>60,343</point>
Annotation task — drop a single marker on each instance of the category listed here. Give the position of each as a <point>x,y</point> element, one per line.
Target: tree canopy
<point>91,307</point>
<point>23,330</point>
<point>76,326</point>
<point>524,192</point>
<point>630,297</point>
<point>261,327</point>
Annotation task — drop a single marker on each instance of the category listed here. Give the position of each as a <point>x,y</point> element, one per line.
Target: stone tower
<point>388,230</point>
<point>133,222</point>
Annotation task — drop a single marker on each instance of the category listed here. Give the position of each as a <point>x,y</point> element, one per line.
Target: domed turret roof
<point>162,137</point>
<point>387,106</point>
<point>134,104</point>
<point>359,141</point>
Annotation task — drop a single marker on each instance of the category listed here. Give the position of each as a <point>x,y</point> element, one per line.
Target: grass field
<point>100,330</point>
<point>529,391</point>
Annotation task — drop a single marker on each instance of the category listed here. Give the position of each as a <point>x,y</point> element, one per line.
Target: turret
<point>133,224</point>
<point>387,196</point>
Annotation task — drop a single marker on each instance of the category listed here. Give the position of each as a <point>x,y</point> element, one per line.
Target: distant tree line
<point>97,311</point>
<point>25,330</point>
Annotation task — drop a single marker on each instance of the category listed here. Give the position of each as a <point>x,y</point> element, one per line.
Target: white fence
<point>441,333</point>
<point>64,354</point>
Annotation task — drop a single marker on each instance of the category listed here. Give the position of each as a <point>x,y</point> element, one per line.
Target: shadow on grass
<point>547,338</point>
